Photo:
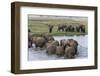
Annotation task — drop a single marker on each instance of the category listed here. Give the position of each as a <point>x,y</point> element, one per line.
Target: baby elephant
<point>59,51</point>
<point>51,49</point>
<point>69,53</point>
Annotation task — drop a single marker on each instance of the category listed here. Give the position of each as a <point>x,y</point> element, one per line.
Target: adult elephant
<point>63,43</point>
<point>69,43</point>
<point>59,51</point>
<point>50,28</point>
<point>51,49</point>
<point>69,53</point>
<point>66,29</point>
<point>55,42</point>
<point>82,28</point>
<point>77,28</point>
<point>48,37</point>
<point>61,28</point>
<point>72,43</point>
<point>40,42</point>
<point>72,29</point>
<point>30,39</point>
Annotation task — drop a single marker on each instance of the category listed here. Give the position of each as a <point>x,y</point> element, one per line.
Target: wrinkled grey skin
<point>40,42</point>
<point>59,51</point>
<point>69,53</point>
<point>69,43</point>
<point>51,49</point>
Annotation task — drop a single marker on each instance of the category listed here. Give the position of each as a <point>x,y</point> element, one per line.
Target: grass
<point>39,27</point>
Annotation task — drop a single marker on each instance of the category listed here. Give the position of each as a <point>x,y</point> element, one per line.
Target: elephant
<point>55,42</point>
<point>69,42</point>
<point>66,29</point>
<point>82,28</point>
<point>48,43</point>
<point>69,53</point>
<point>51,49</point>
<point>72,29</point>
<point>77,29</point>
<point>59,51</point>
<point>29,44</point>
<point>72,43</point>
<point>69,28</point>
<point>62,42</point>
<point>50,28</point>
<point>34,39</point>
<point>61,28</point>
<point>40,42</point>
<point>48,37</point>
<point>30,40</point>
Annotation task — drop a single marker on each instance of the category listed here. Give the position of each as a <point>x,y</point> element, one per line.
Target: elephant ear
<point>76,42</point>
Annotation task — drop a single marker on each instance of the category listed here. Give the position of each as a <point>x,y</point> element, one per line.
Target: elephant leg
<point>36,45</point>
<point>75,50</point>
<point>83,30</point>
<point>29,44</point>
<point>69,55</point>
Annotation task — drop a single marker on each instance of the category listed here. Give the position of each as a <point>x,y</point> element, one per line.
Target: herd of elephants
<point>66,48</point>
<point>68,28</point>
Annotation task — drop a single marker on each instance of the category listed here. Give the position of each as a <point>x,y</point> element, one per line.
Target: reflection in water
<point>38,54</point>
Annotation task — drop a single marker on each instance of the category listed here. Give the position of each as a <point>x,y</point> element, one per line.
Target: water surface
<point>38,54</point>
